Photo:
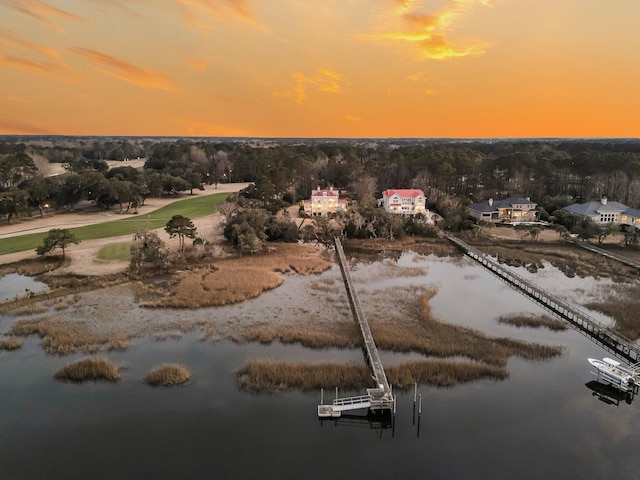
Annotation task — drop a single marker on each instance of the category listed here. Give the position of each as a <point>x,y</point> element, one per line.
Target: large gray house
<point>604,211</point>
<point>508,210</point>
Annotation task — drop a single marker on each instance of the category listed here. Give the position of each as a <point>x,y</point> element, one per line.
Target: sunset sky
<point>321,68</point>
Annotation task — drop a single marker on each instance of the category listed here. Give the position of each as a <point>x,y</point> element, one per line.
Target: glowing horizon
<point>331,69</point>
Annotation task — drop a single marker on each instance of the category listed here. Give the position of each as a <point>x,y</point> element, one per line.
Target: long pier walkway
<point>380,398</point>
<point>599,333</point>
<point>606,253</point>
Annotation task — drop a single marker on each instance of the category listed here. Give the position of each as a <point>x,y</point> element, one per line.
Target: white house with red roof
<point>405,202</point>
<point>324,202</point>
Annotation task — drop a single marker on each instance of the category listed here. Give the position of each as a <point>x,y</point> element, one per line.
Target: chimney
<point>603,200</point>
<point>491,202</point>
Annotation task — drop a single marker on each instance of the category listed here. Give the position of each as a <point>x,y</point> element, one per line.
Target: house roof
<point>590,209</point>
<point>324,193</point>
<point>632,212</point>
<point>498,204</point>
<point>411,192</point>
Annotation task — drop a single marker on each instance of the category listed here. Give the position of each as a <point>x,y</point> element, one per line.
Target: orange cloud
<point>352,118</point>
<point>125,71</point>
<point>26,55</point>
<point>199,65</point>
<point>23,63</point>
<point>104,4</point>
<point>323,81</point>
<point>198,12</point>
<point>18,41</point>
<point>43,12</point>
<point>428,31</point>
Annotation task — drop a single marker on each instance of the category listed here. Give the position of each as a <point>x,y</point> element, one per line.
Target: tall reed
<point>10,344</point>
<point>167,375</point>
<point>92,368</point>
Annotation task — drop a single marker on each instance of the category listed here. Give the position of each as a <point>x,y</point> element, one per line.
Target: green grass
<point>115,251</point>
<point>190,207</point>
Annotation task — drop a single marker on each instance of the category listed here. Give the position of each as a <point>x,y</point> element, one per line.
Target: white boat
<point>613,373</point>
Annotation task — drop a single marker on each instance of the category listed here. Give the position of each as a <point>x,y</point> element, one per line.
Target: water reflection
<point>210,428</point>
<point>609,395</point>
<point>370,421</point>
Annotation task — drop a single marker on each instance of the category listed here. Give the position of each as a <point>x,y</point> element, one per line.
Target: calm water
<point>16,284</point>
<point>542,422</point>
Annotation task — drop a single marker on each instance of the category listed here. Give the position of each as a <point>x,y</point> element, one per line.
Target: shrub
<point>167,375</point>
<point>10,344</point>
<point>93,368</point>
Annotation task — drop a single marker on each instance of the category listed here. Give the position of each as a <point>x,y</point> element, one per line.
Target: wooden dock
<point>599,333</point>
<point>605,253</point>
<point>380,398</point>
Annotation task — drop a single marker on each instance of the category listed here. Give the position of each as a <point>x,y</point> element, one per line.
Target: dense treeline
<point>552,173</point>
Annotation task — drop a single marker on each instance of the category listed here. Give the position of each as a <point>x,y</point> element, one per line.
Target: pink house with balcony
<point>405,202</point>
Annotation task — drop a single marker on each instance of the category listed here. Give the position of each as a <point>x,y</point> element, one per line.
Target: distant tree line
<point>553,173</point>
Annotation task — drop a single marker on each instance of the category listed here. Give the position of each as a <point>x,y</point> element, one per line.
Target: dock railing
<point>380,398</point>
<point>609,339</point>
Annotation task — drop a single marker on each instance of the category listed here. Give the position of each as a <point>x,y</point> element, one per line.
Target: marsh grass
<point>424,334</point>
<point>441,373</point>
<point>533,322</point>
<point>210,332</point>
<point>324,286</point>
<point>167,335</point>
<point>261,375</point>
<point>32,267</point>
<point>569,259</point>
<point>118,342</point>
<point>236,280</point>
<point>420,245</point>
<point>10,344</point>
<point>62,303</point>
<point>30,309</point>
<point>625,313</point>
<point>222,287</point>
<point>167,375</point>
<point>92,368</point>
<point>59,337</point>
<point>434,338</point>
<point>340,335</point>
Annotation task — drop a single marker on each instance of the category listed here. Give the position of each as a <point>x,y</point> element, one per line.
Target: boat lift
<point>611,372</point>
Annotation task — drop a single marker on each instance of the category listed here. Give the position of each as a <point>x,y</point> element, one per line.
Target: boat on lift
<point>612,372</point>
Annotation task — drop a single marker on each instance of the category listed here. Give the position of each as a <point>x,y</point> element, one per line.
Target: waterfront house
<point>604,211</point>
<point>405,202</point>
<point>508,210</point>
<point>324,202</point>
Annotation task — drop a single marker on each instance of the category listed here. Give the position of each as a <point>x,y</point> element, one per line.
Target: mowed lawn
<point>191,208</point>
